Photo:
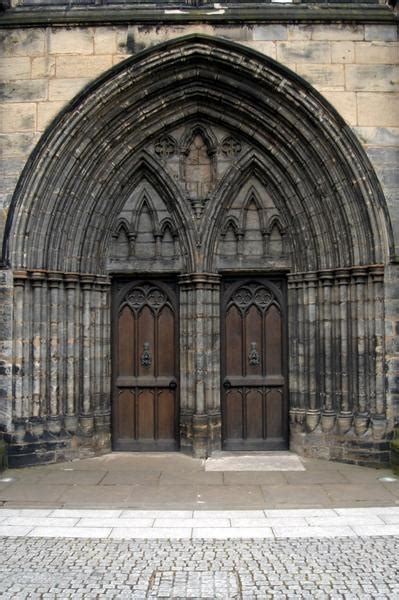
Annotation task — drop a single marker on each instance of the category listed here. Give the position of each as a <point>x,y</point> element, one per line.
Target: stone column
<point>54,408</point>
<point>200,360</point>
<point>86,405</point>
<point>326,383</point>
<point>19,333</point>
<point>72,349</point>
<point>311,345</point>
<point>345,413</point>
<point>39,330</point>
<point>360,367</point>
<point>379,421</point>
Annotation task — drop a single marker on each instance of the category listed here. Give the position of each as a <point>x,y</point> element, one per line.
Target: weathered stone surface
<point>82,66</point>
<point>24,91</point>
<point>385,33</point>
<point>18,117</point>
<point>105,40</point>
<point>377,53</point>
<point>43,66</point>
<point>46,111</point>
<point>17,144</point>
<point>344,103</point>
<point>270,32</point>
<point>342,52</point>
<point>303,51</point>
<point>380,136</point>
<point>20,42</point>
<point>74,41</point>
<point>323,77</point>
<point>266,48</point>
<point>378,109</point>
<point>65,89</point>
<point>338,32</point>
<point>12,68</point>
<point>373,78</point>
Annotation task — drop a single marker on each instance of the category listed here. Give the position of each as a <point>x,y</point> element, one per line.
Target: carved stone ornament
<point>146,295</point>
<point>165,147</point>
<point>231,147</point>
<point>251,294</point>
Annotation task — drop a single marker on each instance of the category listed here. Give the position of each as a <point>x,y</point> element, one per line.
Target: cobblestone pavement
<point>288,568</point>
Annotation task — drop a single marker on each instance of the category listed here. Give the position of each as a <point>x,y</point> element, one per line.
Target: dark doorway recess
<point>254,380</point>
<point>145,366</point>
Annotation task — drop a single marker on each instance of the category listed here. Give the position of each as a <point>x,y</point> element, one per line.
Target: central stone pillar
<point>200,416</point>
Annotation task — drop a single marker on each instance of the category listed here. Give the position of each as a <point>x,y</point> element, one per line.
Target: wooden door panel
<point>254,398</point>
<point>145,366</point>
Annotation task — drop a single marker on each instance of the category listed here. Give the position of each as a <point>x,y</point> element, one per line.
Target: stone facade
<point>80,154</point>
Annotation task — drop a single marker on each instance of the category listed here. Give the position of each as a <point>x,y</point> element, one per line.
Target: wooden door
<point>254,397</point>
<point>145,381</point>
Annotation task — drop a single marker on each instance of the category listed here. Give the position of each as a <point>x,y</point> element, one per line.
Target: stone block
<point>17,67</point>
<point>378,109</point>
<point>117,58</point>
<point>24,91</point>
<point>65,89</point>
<point>384,33</point>
<point>323,76</point>
<point>22,42</point>
<point>344,103</point>
<point>46,111</point>
<point>338,32</point>
<point>377,53</point>
<point>17,144</point>
<point>105,40</point>
<point>379,136</point>
<point>237,34</point>
<point>75,40</point>
<point>17,117</point>
<point>373,78</point>
<point>270,32</point>
<point>300,32</point>
<point>266,48</point>
<point>11,165</point>
<point>82,66</point>
<point>342,52</point>
<point>304,52</point>
<point>43,66</point>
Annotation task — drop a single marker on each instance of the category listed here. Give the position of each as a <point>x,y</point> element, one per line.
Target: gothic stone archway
<point>228,164</point>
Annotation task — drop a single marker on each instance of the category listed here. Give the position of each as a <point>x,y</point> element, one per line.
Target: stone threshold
<point>197,524</point>
<point>255,13</point>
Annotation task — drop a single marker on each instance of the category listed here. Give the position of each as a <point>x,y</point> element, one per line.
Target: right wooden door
<point>254,396</point>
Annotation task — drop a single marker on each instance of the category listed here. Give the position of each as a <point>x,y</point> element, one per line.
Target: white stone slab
<point>92,513</point>
<point>256,461</point>
<point>276,522</point>
<point>173,533</point>
<point>370,530</point>
<point>167,523</point>
<point>344,520</point>
<point>372,510</point>
<point>10,531</point>
<point>391,519</point>
<point>70,532</point>
<point>156,514</point>
<point>299,512</point>
<point>225,533</point>
<point>229,514</point>
<point>25,512</point>
<point>314,532</point>
<point>41,521</point>
<point>117,522</point>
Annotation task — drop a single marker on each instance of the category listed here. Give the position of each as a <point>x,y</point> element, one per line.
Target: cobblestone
<point>338,568</point>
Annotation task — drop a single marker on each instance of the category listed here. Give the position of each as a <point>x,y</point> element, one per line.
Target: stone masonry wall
<point>355,67</point>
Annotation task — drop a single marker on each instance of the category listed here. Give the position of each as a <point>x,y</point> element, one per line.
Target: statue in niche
<point>198,171</point>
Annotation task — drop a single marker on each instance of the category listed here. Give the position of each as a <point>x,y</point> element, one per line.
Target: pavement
<point>169,526</point>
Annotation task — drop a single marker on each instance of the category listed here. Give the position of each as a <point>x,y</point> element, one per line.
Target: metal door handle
<point>172,385</point>
<point>226,384</point>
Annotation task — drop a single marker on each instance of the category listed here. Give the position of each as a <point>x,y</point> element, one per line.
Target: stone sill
<point>118,15</point>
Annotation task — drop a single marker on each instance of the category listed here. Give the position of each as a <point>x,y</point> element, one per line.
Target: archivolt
<point>68,196</point>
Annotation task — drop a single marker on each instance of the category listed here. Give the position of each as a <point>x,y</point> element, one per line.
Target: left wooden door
<point>145,369</point>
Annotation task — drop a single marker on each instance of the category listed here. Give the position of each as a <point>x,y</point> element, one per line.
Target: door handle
<point>226,384</point>
<point>172,385</point>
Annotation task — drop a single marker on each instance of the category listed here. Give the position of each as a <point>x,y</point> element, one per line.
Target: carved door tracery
<point>254,405</point>
<point>145,391</point>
